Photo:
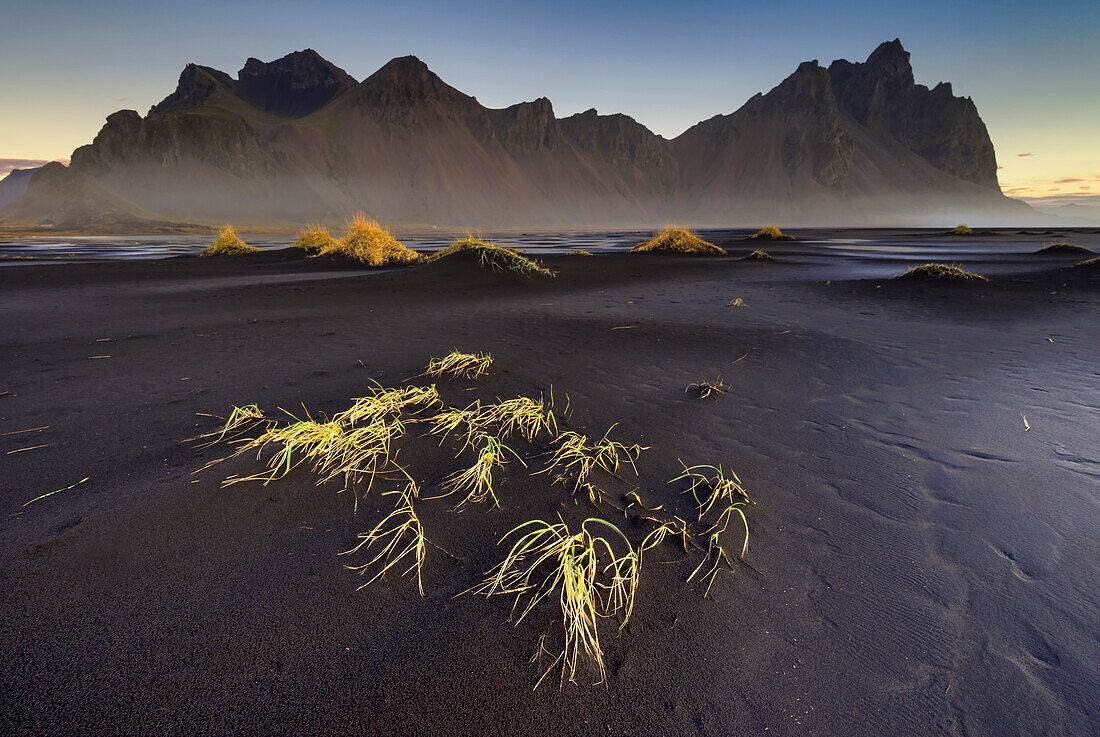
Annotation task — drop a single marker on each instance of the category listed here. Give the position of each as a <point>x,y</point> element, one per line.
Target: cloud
<point>122,99</point>
<point>6,165</point>
<point>1067,181</point>
<point>1022,155</point>
<point>1070,198</point>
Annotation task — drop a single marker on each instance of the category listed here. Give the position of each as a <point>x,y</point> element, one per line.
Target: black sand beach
<point>919,562</point>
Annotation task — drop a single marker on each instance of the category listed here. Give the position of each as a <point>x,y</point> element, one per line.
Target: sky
<point>1033,69</point>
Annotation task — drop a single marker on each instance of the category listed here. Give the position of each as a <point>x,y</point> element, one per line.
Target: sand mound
<point>678,240</point>
<point>228,244</point>
<point>759,255</point>
<point>1091,264</point>
<point>941,273</point>
<point>1055,249</point>
<point>368,242</point>
<point>770,233</point>
<point>492,256</point>
<point>315,240</point>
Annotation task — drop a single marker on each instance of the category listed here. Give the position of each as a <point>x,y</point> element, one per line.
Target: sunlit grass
<point>497,258</point>
<point>368,242</point>
<point>476,482</point>
<point>467,365</point>
<point>398,537</point>
<point>239,418</point>
<point>770,233</point>
<point>316,239</point>
<point>574,457</point>
<point>228,244</point>
<point>524,414</point>
<point>678,240</point>
<point>592,577</point>
<point>961,229</point>
<point>759,255</point>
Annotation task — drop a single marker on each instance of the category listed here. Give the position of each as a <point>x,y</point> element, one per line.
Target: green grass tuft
<point>678,240</point>
<point>228,244</point>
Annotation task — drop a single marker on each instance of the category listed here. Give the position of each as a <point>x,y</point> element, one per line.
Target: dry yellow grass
<point>316,239</point>
<point>759,255</point>
<point>678,240</point>
<point>228,244</point>
<point>497,258</point>
<point>962,229</point>
<point>770,233</point>
<point>368,242</point>
<point>941,272</point>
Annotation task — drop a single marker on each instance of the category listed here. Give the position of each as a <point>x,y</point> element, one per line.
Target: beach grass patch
<point>397,538</point>
<point>678,240</point>
<point>494,257</point>
<point>594,576</point>
<point>228,244</point>
<point>941,272</point>
<point>370,243</point>
<point>466,365</point>
<point>705,389</point>
<point>759,255</point>
<point>961,229</point>
<point>1056,249</point>
<point>770,233</point>
<point>315,240</point>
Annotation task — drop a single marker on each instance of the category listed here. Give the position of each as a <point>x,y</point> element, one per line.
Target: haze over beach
<point>586,369</point>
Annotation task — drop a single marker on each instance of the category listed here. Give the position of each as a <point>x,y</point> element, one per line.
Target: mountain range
<point>299,140</point>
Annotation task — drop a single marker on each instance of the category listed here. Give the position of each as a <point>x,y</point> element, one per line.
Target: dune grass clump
<point>528,416</point>
<point>239,418</point>
<point>476,482</point>
<point>228,244</point>
<point>592,577</point>
<point>1055,249</point>
<point>713,490</point>
<point>466,365</point>
<point>759,255</point>
<point>398,537</point>
<point>941,272</point>
<point>381,402</point>
<point>678,240</point>
<point>736,302</point>
<point>704,389</point>
<point>497,258</point>
<point>770,233</point>
<point>315,240</point>
<point>579,252</point>
<point>961,229</point>
<point>1090,263</point>
<point>574,458</point>
<point>368,242</point>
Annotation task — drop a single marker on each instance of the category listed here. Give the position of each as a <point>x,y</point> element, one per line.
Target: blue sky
<point>1033,69</point>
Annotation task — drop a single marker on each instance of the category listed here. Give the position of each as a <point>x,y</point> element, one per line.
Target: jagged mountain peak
<point>407,80</point>
<point>293,86</point>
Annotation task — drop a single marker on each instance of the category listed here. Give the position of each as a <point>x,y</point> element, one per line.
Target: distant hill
<point>299,140</point>
<point>15,184</point>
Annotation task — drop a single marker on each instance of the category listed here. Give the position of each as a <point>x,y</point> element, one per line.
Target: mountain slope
<point>299,140</point>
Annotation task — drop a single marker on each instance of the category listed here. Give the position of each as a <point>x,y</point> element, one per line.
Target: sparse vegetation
<point>228,244</point>
<point>579,252</point>
<point>467,365</point>
<point>574,458</point>
<point>737,302</point>
<point>704,389</point>
<point>397,537</point>
<point>368,242</point>
<point>477,480</point>
<point>1055,249</point>
<point>592,582</point>
<point>678,240</point>
<point>770,233</point>
<point>961,229</point>
<point>316,239</point>
<point>497,258</point>
<point>759,255</point>
<point>941,272</point>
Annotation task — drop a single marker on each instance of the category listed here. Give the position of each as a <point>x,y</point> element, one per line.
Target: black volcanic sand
<point>919,564</point>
